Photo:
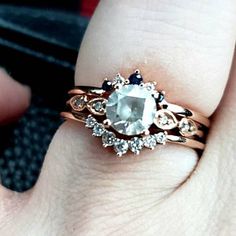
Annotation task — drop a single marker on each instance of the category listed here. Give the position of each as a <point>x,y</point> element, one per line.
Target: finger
<point>218,165</point>
<point>187,48</point>
<point>222,136</point>
<point>214,178</point>
<point>14,98</point>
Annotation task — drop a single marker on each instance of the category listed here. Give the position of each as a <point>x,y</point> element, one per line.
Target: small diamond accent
<point>119,80</point>
<point>150,141</point>
<point>78,102</point>
<point>98,130</point>
<point>108,138</point>
<point>121,146</point>
<point>90,122</point>
<point>149,86</point>
<point>187,127</point>
<point>99,106</point>
<point>165,119</point>
<point>161,137</point>
<point>135,145</point>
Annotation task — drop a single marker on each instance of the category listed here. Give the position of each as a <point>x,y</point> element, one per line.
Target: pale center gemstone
<point>131,109</point>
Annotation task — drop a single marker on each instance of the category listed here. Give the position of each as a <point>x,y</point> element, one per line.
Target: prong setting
<point>107,123</point>
<point>146,132</point>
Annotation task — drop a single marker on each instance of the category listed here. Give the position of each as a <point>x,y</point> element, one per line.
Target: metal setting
<point>97,106</point>
<point>131,115</point>
<point>165,120</point>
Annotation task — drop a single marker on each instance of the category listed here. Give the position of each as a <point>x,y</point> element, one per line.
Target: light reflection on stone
<point>131,109</point>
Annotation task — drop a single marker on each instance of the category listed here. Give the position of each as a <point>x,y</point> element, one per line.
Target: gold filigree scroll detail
<point>187,127</point>
<point>78,102</point>
<point>165,119</point>
<point>97,106</point>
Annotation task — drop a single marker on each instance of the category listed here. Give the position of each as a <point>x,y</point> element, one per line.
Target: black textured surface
<point>52,36</point>
<point>71,5</point>
<point>39,48</point>
<point>25,145</point>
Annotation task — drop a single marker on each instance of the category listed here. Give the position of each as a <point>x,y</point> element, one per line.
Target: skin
<point>187,47</point>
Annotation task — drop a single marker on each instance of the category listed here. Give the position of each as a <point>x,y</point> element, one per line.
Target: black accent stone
<point>188,113</point>
<point>160,97</point>
<point>135,78</point>
<point>107,85</point>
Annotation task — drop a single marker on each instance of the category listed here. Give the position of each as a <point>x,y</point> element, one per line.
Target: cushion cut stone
<point>131,109</point>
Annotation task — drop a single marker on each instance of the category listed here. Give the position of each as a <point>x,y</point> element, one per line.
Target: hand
<point>14,98</point>
<point>187,47</point>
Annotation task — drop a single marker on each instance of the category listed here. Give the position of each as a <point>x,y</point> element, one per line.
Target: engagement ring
<point>130,115</point>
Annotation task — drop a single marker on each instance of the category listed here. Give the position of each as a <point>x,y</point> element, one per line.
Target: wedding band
<point>130,115</point>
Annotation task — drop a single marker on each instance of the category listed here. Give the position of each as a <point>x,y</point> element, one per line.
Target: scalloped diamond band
<point>130,115</point>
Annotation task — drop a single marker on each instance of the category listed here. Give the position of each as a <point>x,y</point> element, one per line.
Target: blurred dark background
<point>39,42</point>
